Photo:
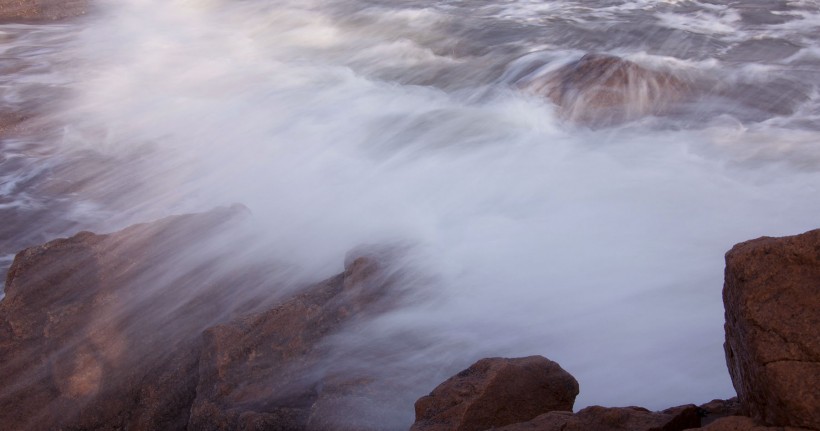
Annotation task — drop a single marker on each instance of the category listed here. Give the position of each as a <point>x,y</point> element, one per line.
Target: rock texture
<point>716,409</point>
<point>601,90</point>
<point>105,332</point>
<point>613,419</point>
<point>495,392</point>
<point>41,10</point>
<point>79,347</point>
<point>742,423</point>
<point>259,370</point>
<point>772,297</point>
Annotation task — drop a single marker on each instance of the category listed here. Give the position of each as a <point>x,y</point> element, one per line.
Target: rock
<point>265,369</point>
<point>81,347</point>
<point>742,423</point>
<point>495,392</point>
<point>601,90</point>
<point>716,409</point>
<point>41,10</point>
<point>772,297</point>
<point>613,419</point>
<point>147,328</point>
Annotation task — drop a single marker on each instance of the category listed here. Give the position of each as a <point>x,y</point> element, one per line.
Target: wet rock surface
<point>80,347</point>
<point>261,368</point>
<point>495,392</point>
<point>772,297</point>
<point>41,10</point>
<point>601,90</point>
<point>95,334</point>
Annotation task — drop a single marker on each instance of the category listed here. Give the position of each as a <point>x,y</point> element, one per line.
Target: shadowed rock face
<point>105,332</point>
<point>613,419</point>
<point>743,423</point>
<point>602,90</point>
<point>495,392</point>
<point>772,297</point>
<point>41,10</point>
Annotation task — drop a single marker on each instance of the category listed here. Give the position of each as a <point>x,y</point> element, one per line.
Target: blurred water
<point>367,121</point>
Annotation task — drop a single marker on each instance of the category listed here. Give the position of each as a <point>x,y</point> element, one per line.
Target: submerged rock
<point>41,10</point>
<point>495,392</point>
<point>601,90</point>
<point>772,297</point>
<point>613,419</point>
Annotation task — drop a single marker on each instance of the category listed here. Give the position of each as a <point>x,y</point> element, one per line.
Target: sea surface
<point>348,122</point>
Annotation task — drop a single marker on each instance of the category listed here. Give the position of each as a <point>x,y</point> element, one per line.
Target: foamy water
<point>340,123</point>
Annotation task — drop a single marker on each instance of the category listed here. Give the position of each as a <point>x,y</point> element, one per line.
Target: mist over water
<point>341,123</point>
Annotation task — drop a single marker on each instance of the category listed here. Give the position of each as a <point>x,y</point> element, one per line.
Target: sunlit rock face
<point>772,298</point>
<point>601,90</point>
<point>41,10</point>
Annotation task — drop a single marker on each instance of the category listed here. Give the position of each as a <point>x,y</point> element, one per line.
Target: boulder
<point>613,419</point>
<point>41,10</point>
<point>602,90</point>
<point>495,392</point>
<point>86,343</point>
<point>147,328</point>
<point>772,297</point>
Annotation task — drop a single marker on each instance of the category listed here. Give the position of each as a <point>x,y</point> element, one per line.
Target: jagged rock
<point>496,392</point>
<point>601,90</point>
<point>742,423</point>
<point>613,419</point>
<point>81,344</point>
<point>262,369</point>
<point>102,332</point>
<point>772,297</point>
<point>41,10</point>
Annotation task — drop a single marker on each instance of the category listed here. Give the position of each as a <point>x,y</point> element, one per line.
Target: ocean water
<point>348,122</point>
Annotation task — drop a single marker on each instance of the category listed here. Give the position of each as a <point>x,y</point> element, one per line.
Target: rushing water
<point>342,122</point>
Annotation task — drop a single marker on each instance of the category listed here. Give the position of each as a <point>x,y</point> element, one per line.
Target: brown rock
<point>496,392</point>
<point>41,10</point>
<point>716,409</point>
<point>601,90</point>
<point>81,344</point>
<point>772,297</point>
<point>613,419</point>
<point>742,423</point>
<point>266,368</point>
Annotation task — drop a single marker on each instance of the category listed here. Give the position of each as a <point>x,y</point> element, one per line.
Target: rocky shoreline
<point>105,332</point>
<point>81,348</point>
